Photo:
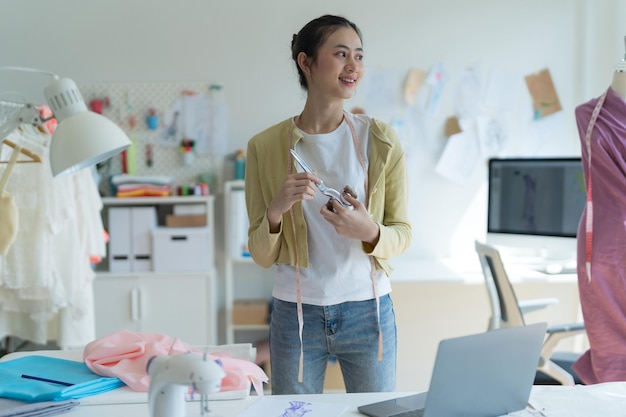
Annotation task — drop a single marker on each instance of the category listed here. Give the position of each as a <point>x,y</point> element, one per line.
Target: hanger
<point>11,111</point>
<point>33,157</point>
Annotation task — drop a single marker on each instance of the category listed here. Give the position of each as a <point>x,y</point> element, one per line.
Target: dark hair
<point>313,35</point>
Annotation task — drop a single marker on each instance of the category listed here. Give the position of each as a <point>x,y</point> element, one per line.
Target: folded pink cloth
<point>125,355</point>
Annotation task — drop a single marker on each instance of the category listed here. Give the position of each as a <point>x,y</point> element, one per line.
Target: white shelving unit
<point>178,304</point>
<point>235,224</point>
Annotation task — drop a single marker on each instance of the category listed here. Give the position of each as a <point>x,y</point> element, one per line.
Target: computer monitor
<point>535,205</point>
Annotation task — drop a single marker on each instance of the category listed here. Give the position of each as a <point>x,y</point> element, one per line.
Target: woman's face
<point>339,65</point>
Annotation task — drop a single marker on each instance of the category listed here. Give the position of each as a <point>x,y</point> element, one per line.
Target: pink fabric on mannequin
<point>125,355</point>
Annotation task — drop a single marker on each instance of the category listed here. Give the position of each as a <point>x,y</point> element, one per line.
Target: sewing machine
<point>172,376</point>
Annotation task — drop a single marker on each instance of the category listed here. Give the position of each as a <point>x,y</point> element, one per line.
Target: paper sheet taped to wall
<point>545,99</point>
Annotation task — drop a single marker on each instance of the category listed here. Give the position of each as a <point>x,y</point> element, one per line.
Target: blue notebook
<point>41,378</point>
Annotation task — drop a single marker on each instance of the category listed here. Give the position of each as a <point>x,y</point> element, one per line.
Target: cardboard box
<point>186,220</point>
<point>250,312</point>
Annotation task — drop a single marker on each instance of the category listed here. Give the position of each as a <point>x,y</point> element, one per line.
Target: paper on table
<point>606,400</point>
<point>267,406</point>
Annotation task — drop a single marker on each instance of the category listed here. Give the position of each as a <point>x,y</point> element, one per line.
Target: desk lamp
<point>82,138</point>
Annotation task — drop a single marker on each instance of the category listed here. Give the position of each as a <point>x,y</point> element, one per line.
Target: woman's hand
<point>355,223</point>
<point>296,187</point>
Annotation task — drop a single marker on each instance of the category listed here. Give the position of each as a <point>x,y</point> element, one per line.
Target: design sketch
<point>296,409</point>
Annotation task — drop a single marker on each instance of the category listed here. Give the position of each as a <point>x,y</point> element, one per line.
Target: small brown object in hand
<point>329,204</point>
<point>348,190</point>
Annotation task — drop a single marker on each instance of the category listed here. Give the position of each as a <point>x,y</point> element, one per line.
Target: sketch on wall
<point>491,109</point>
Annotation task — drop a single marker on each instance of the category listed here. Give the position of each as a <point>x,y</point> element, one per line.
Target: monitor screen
<point>535,198</point>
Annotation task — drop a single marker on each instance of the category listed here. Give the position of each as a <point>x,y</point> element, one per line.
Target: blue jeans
<point>348,331</point>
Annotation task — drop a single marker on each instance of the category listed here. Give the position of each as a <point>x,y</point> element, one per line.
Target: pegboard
<point>123,102</point>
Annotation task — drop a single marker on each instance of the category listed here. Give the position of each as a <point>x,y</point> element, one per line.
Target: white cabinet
<point>244,280</point>
<point>175,305</point>
<point>177,300</point>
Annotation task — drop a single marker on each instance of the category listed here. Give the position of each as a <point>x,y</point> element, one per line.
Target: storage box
<point>180,249</point>
<point>130,247</point>
<point>189,209</point>
<point>191,220</point>
<point>251,312</point>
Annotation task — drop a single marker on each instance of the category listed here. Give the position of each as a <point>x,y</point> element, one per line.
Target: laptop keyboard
<point>411,413</point>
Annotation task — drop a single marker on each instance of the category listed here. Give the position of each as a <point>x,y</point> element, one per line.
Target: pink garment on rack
<point>125,355</point>
<point>603,298</point>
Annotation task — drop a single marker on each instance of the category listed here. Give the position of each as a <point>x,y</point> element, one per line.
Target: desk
<point>601,400</point>
<point>228,408</point>
<point>444,298</point>
<point>605,400</point>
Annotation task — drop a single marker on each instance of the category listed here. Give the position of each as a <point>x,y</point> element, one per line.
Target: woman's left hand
<point>355,223</point>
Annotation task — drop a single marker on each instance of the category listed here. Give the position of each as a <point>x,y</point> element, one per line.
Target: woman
<point>331,291</point>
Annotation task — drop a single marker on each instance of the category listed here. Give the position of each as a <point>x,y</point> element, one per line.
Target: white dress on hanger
<point>46,278</point>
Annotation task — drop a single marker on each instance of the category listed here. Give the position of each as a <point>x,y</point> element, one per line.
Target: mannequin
<point>619,77</point>
<point>619,80</point>
<point>601,234</point>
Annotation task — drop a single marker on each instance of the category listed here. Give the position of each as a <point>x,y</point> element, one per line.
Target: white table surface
<point>601,400</point>
<point>228,408</point>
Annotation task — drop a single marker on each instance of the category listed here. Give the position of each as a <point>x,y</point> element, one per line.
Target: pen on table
<point>52,381</point>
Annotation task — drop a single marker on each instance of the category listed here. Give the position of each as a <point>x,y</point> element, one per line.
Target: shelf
<point>243,260</point>
<point>132,297</point>
<point>235,232</point>
<point>107,274</point>
<point>132,201</point>
<point>239,327</point>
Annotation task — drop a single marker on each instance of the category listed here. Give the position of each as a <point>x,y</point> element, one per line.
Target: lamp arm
<point>26,69</point>
<point>28,113</point>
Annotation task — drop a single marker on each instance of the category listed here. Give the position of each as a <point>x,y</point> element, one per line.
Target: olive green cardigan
<point>267,164</point>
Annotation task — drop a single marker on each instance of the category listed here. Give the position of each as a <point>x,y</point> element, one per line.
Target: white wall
<point>244,45</point>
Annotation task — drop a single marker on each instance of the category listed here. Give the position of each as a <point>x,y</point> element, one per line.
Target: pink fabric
<point>603,299</point>
<point>125,355</point>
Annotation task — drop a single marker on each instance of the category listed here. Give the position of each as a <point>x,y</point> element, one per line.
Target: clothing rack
<point>12,115</point>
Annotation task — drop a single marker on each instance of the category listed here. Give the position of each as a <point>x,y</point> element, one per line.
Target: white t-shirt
<point>339,270</point>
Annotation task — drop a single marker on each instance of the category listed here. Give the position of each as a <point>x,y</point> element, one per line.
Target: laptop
<point>481,375</point>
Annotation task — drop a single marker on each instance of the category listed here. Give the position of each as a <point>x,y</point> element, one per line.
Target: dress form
<point>619,82</point>
<point>619,78</point>
<point>603,313</point>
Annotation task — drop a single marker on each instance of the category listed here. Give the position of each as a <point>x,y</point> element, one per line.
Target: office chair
<point>507,311</point>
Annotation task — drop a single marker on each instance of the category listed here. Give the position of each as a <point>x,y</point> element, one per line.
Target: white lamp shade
<point>84,139</point>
